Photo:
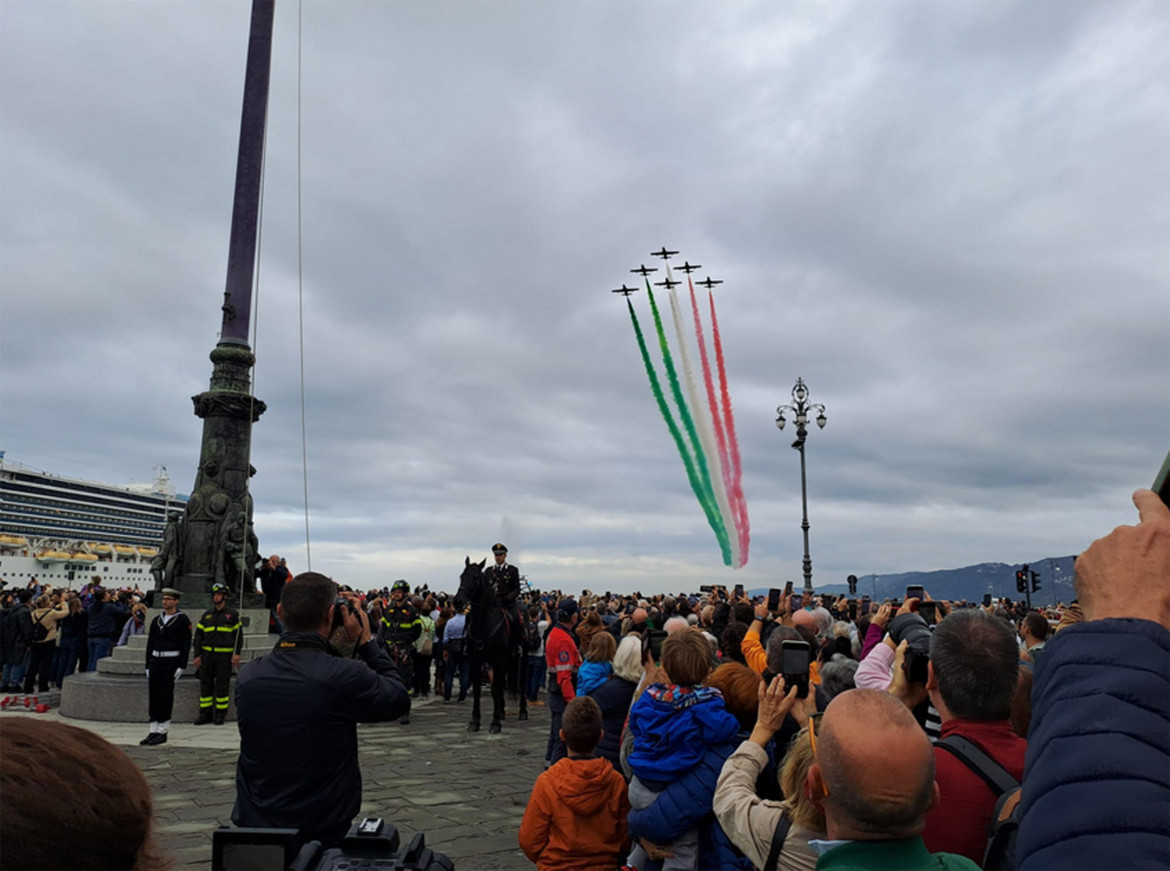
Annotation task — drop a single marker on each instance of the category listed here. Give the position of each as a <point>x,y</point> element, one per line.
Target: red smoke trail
<point>725,467</point>
<point>732,440</point>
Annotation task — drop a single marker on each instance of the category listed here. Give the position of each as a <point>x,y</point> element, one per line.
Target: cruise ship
<point>65,531</point>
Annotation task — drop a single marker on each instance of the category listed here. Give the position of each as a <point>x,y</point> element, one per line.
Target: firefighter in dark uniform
<point>218,640</point>
<point>167,646</point>
<point>399,629</point>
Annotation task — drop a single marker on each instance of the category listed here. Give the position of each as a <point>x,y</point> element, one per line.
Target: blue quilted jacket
<point>673,726</point>
<point>685,804</point>
<point>1096,789</point>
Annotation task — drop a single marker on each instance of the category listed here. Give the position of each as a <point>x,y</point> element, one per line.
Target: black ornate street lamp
<point>800,408</point>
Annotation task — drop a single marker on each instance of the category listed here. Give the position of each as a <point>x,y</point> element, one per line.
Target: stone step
<point>123,698</point>
<point>127,660</point>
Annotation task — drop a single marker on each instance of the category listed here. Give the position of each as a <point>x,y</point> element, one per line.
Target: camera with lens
<point>371,843</point>
<point>341,605</point>
<point>915,631</point>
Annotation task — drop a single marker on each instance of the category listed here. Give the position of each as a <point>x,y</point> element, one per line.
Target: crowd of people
<point>716,730</point>
<point>814,734</point>
<point>47,633</point>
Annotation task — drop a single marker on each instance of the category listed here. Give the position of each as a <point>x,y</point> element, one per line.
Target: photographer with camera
<point>298,710</point>
<point>903,673</point>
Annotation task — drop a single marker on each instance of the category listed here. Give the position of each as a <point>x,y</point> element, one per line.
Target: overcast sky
<point>951,219</point>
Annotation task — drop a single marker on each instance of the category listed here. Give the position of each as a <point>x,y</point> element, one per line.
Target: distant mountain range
<point>970,582</point>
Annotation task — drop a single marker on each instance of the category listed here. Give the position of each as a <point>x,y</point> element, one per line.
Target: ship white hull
<point>19,570</point>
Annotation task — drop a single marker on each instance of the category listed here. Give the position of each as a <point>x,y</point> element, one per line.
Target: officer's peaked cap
<point>498,548</point>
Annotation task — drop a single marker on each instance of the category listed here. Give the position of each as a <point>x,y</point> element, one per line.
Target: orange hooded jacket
<point>576,817</point>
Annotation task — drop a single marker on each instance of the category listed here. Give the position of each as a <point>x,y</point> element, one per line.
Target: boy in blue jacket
<point>673,724</point>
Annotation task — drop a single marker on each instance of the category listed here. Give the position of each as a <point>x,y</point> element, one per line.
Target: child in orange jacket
<point>576,816</point>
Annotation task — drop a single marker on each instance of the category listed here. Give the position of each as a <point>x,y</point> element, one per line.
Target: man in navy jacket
<point>298,710</point>
<point>1096,790</point>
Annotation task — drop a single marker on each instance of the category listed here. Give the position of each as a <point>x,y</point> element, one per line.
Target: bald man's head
<point>639,615</point>
<point>806,619</point>
<point>877,765</point>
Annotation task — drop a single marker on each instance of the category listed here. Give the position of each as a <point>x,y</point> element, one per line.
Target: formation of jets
<point>669,282</point>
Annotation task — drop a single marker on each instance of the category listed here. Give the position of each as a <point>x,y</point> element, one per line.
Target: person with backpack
<point>424,648</point>
<point>44,643</point>
<point>979,759</point>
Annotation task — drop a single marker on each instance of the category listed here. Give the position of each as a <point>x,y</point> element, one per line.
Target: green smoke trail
<point>701,482</point>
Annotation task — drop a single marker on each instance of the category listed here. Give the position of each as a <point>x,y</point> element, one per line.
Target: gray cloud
<point>950,219</point>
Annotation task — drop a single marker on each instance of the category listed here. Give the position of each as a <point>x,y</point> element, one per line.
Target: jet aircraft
<point>645,270</point>
<point>625,291</point>
<point>663,253</point>
<point>687,268</point>
<point>709,283</point>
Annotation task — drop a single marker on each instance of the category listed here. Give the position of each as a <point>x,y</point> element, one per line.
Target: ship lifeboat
<point>148,552</point>
<point>124,551</point>
<point>83,558</point>
<point>13,541</point>
<point>54,556</point>
<point>100,549</point>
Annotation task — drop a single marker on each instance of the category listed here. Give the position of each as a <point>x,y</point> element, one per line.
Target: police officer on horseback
<point>218,641</point>
<point>505,580</point>
<point>399,629</point>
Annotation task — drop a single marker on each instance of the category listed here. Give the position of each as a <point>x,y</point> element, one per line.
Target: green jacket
<point>905,855</point>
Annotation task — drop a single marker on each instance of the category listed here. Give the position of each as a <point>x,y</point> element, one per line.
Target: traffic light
<point>1035,581</point>
<point>1021,579</point>
<point>852,585</point>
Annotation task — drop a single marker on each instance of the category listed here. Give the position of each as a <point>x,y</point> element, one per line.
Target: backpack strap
<point>778,839</point>
<point>975,758</point>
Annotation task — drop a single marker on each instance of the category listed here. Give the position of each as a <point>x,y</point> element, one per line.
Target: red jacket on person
<point>958,823</point>
<point>563,659</point>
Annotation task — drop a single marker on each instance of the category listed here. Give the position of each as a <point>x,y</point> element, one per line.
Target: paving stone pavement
<point>466,792</point>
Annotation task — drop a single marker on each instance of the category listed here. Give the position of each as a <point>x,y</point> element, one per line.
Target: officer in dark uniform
<point>218,640</point>
<point>505,579</point>
<point>399,629</point>
<point>167,646</point>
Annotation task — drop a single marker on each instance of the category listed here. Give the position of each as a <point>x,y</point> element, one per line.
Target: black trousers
<point>40,659</point>
<point>403,656</point>
<point>161,685</point>
<point>215,680</point>
<point>556,707</point>
<point>422,674</point>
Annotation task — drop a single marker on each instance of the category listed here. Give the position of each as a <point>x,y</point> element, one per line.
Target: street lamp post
<point>799,408</point>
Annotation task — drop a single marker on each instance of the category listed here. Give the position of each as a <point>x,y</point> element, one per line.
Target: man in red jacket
<point>563,660</point>
<point>974,667</point>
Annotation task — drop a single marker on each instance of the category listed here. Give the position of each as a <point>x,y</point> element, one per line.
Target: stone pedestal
<point>117,690</point>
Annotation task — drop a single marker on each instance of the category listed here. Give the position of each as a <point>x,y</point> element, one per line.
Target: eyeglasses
<point>813,721</point>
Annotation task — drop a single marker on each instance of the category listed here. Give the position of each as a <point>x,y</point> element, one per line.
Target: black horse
<point>491,640</point>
